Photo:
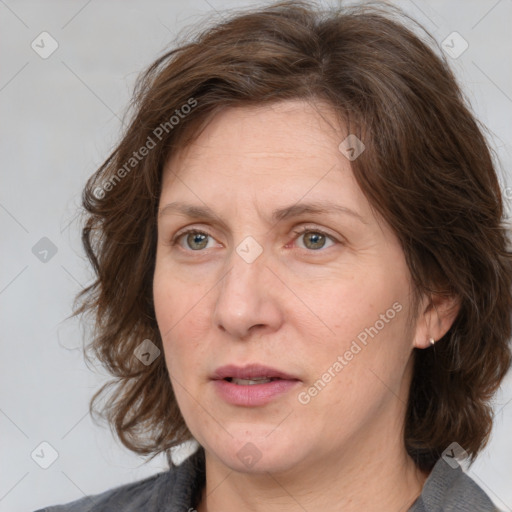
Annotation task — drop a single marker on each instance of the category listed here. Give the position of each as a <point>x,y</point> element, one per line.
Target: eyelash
<point>306,229</point>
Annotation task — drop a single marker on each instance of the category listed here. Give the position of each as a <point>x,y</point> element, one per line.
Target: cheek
<point>346,302</point>
<point>182,322</point>
<point>174,299</point>
<point>363,320</point>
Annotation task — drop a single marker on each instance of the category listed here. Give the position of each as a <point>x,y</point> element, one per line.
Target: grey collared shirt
<point>179,489</point>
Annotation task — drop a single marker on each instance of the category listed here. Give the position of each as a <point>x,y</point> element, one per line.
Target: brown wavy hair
<point>427,169</point>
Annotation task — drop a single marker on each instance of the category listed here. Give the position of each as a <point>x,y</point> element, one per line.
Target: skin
<point>294,308</point>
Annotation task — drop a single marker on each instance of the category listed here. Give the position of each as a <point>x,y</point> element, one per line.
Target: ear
<point>436,315</point>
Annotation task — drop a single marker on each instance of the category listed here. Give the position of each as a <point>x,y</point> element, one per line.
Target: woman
<point>301,266</point>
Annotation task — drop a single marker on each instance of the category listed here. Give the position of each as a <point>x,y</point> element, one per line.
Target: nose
<point>247,300</point>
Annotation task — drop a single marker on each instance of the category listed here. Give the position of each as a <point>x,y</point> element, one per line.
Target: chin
<point>255,453</point>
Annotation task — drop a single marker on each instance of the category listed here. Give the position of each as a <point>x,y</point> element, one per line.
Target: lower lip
<point>255,394</point>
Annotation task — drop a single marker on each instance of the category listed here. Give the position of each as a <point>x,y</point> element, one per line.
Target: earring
<point>431,341</point>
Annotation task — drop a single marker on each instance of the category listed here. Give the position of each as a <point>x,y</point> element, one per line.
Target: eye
<point>193,239</point>
<point>196,240</point>
<point>314,239</point>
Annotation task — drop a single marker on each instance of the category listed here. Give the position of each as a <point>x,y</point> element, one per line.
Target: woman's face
<point>287,273</point>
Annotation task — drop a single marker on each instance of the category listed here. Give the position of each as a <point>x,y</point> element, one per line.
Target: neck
<point>384,479</point>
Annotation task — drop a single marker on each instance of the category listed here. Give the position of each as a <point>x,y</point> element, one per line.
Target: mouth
<point>250,374</point>
<point>252,385</point>
<point>250,382</point>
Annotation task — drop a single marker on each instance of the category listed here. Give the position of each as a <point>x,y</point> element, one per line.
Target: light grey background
<point>60,117</point>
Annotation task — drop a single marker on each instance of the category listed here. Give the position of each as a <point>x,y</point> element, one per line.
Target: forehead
<point>268,156</point>
<point>259,161</point>
<point>271,161</point>
<point>264,138</point>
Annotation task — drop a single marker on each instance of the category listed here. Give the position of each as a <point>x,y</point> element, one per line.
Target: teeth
<point>250,382</point>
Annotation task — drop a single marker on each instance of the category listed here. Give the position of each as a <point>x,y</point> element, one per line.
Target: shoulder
<point>450,489</point>
<point>126,497</point>
<point>174,489</point>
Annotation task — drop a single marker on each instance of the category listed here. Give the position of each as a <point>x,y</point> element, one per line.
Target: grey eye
<point>197,241</point>
<point>314,240</point>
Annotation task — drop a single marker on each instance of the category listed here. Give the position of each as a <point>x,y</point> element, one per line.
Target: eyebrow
<point>280,214</point>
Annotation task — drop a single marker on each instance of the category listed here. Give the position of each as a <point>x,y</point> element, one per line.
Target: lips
<point>250,372</point>
<point>252,385</point>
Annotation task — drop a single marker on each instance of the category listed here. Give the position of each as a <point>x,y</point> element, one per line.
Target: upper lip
<point>250,371</point>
